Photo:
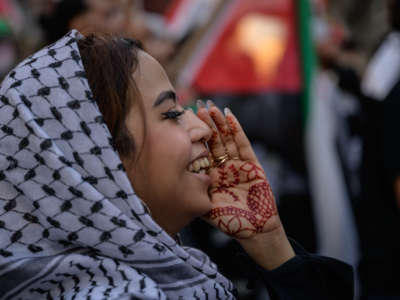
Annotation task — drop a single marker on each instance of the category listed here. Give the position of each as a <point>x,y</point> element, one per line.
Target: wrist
<point>269,249</point>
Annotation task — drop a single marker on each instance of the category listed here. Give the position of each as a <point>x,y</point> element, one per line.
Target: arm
<point>269,250</point>
<point>309,276</point>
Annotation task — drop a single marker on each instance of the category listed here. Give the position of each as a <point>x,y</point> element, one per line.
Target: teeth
<point>196,165</point>
<point>207,162</point>
<point>199,165</point>
<point>203,164</point>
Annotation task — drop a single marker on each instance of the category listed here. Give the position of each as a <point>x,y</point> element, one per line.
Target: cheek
<point>169,148</point>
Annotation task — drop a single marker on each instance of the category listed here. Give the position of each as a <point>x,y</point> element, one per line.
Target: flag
<point>334,220</point>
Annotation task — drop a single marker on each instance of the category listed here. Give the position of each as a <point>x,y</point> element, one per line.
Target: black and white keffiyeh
<point>71,226</point>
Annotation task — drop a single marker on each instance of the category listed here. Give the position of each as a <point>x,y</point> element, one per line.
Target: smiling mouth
<point>200,165</point>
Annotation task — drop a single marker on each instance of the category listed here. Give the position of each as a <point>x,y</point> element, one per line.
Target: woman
<point>75,116</point>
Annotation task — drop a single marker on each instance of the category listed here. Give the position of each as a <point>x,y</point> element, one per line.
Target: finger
<point>224,130</point>
<point>215,143</point>
<point>242,142</point>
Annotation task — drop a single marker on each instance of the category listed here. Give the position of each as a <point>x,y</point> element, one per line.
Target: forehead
<point>150,77</point>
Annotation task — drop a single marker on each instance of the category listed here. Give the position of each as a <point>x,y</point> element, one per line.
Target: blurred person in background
<point>124,17</point>
<point>377,86</point>
<point>377,213</point>
<point>109,16</point>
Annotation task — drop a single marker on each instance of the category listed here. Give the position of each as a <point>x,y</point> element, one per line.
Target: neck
<point>172,228</point>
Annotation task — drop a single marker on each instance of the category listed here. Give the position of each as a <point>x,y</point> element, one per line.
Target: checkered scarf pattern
<point>71,226</point>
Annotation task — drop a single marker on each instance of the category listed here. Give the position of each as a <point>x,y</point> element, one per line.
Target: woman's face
<point>168,146</point>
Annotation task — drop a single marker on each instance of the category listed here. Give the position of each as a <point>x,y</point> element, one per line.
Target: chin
<point>195,201</point>
<point>203,205</point>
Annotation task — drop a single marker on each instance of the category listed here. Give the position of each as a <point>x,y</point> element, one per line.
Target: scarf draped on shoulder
<point>71,226</point>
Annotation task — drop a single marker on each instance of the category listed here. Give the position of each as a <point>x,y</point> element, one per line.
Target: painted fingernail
<point>200,104</point>
<point>210,103</point>
<point>227,111</point>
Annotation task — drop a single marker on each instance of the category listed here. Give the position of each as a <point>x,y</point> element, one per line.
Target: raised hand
<point>242,200</point>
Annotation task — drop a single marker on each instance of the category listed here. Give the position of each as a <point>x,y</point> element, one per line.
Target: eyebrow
<point>164,96</point>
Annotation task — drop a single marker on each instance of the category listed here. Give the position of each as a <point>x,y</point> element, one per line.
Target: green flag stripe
<point>308,59</point>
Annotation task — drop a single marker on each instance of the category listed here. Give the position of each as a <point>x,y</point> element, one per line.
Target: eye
<point>173,114</point>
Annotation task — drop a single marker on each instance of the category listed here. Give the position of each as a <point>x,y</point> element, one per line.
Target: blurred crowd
<point>316,85</point>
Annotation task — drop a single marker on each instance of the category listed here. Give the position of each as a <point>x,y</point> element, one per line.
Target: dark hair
<point>56,24</point>
<point>109,63</point>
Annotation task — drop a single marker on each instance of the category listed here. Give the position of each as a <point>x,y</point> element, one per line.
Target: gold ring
<point>221,159</point>
<point>236,158</point>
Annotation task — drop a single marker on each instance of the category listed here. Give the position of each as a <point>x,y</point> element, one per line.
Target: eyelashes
<point>172,114</point>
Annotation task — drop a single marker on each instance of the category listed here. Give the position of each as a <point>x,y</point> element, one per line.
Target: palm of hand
<point>242,199</point>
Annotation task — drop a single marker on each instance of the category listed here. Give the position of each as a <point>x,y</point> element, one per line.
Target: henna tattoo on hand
<point>253,171</point>
<point>259,206</point>
<point>213,139</point>
<point>232,125</point>
<point>223,130</point>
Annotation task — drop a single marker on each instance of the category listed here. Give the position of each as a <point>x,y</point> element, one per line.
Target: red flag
<point>251,47</point>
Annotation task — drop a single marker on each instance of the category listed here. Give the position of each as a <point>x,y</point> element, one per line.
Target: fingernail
<point>227,111</point>
<point>210,103</point>
<point>200,104</point>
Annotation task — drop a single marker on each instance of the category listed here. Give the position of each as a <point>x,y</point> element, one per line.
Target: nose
<point>198,130</point>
